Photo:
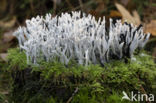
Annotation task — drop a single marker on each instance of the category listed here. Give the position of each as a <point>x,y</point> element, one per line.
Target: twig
<point>76,90</point>
<point>69,4</point>
<point>54,7</point>
<point>32,6</point>
<point>81,5</point>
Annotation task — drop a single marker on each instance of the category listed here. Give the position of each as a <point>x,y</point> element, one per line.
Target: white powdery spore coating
<point>78,37</point>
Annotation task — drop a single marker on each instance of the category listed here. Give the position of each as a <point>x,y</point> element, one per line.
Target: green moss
<point>17,59</point>
<point>53,82</point>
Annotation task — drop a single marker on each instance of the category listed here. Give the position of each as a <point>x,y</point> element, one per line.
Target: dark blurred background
<point>13,13</point>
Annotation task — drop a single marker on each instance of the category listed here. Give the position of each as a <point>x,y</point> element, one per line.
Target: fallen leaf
<point>8,36</point>
<point>151,27</point>
<point>135,19</point>
<point>8,24</point>
<point>4,46</point>
<point>3,56</point>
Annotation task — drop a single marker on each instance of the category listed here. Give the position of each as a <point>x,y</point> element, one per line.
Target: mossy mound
<point>53,82</point>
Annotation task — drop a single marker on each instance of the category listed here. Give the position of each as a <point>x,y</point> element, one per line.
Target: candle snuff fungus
<point>80,37</point>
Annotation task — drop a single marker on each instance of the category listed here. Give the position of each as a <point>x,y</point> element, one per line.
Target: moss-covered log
<point>53,82</point>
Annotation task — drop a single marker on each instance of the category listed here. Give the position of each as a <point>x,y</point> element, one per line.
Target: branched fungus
<point>80,37</point>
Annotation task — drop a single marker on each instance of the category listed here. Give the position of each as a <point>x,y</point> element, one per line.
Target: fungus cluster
<point>80,37</point>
